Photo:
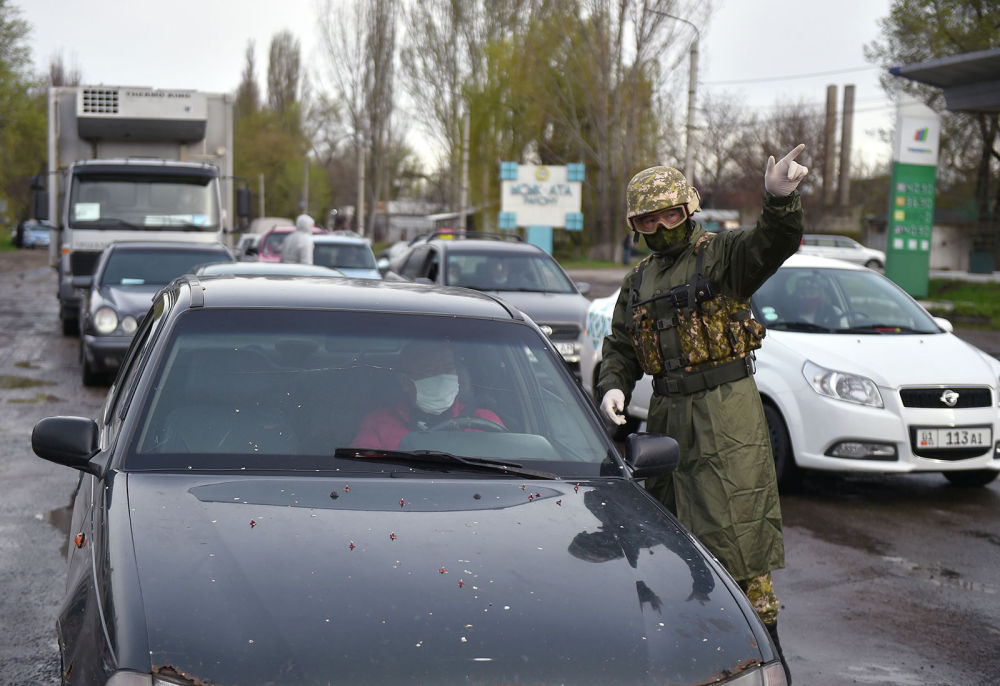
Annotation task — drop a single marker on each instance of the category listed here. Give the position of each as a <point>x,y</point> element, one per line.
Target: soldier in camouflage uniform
<point>683,317</point>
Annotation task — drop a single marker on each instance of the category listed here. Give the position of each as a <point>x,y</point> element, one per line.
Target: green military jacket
<point>724,489</point>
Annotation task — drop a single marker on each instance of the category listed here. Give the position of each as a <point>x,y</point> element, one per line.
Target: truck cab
<point>133,163</point>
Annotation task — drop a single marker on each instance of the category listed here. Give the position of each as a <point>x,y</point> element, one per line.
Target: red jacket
<point>383,428</point>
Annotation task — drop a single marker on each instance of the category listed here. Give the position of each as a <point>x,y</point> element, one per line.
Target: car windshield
<point>274,241</point>
<point>343,255</point>
<point>154,202</point>
<point>507,272</point>
<point>156,266</point>
<point>838,301</point>
<point>285,389</point>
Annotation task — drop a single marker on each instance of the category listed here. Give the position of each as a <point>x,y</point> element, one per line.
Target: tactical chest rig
<point>715,332</point>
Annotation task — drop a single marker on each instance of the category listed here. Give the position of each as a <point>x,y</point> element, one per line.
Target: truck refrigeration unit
<point>128,163</point>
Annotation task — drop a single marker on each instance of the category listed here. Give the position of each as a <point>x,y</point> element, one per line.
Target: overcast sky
<point>761,50</point>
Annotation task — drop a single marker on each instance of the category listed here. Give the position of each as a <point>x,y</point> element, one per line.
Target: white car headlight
<point>105,321</point>
<point>129,324</point>
<point>844,386</point>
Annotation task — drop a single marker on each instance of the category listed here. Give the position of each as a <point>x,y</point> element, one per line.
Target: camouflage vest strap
<point>713,330</point>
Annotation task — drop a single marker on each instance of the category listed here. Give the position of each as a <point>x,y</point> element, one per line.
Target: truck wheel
<point>785,468</point>
<point>972,478</point>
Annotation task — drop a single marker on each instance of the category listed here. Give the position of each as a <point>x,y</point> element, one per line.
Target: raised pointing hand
<point>781,178</point>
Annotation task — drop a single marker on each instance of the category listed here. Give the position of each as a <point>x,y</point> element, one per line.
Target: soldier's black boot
<point>773,630</point>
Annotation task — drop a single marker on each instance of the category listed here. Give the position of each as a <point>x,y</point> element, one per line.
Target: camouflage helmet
<point>659,188</point>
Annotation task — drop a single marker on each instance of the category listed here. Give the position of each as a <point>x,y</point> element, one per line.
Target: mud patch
<point>26,364</point>
<point>7,382</point>
<point>984,535</point>
<point>37,399</point>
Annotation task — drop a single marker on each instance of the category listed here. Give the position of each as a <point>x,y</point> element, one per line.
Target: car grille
<point>975,396</point>
<point>83,262</point>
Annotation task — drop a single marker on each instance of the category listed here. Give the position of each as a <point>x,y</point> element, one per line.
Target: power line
<point>790,77</point>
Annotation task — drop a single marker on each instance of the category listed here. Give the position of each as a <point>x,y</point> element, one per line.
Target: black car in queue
<point>229,529</point>
<point>519,272</point>
<point>118,294</point>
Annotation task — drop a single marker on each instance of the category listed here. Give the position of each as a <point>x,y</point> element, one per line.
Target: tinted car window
<point>860,298</point>
<point>284,389</point>
<point>154,266</point>
<point>512,272</point>
<point>413,267</point>
<point>353,256</point>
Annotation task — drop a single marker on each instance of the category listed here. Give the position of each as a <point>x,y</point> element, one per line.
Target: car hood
<point>134,300</point>
<point>891,360</point>
<point>384,580</point>
<point>548,308</point>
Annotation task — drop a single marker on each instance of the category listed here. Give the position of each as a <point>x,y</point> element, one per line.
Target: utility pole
<point>464,200</point>
<point>260,193</point>
<point>692,87</point>
<point>359,211</point>
<point>830,146</point>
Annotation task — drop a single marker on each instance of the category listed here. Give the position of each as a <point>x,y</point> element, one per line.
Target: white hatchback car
<point>859,378</point>
<point>841,248</point>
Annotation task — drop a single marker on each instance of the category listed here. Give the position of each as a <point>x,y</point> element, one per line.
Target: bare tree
<point>248,92</point>
<point>62,75</point>
<point>283,72</point>
<point>359,39</point>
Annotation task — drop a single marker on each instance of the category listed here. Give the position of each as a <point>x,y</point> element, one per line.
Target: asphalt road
<point>889,580</point>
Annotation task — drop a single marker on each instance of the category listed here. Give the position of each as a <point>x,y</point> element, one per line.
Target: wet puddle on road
<point>940,576</point>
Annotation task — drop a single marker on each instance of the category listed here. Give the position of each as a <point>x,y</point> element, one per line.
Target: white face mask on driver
<point>435,394</point>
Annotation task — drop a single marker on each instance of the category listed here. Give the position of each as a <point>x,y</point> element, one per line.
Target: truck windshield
<point>144,202</point>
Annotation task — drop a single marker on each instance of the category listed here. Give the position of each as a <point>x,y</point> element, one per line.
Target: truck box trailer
<point>134,163</point>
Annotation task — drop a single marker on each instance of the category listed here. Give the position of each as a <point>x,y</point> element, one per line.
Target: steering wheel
<point>463,423</point>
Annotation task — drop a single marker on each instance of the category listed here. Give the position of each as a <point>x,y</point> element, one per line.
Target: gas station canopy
<point>970,82</point>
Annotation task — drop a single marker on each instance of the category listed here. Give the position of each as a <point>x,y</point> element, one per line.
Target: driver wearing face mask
<point>429,378</point>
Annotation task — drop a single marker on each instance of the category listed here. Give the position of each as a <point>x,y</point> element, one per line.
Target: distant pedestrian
<point>298,247</point>
<point>627,249</point>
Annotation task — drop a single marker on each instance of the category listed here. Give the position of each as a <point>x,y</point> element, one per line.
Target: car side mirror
<point>583,287</point>
<point>242,202</point>
<point>41,207</point>
<point>84,281</point>
<point>651,454</point>
<point>69,441</point>
<point>944,324</point>
<point>382,264</point>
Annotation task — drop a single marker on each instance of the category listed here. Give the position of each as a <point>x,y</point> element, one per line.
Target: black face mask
<point>668,241</point>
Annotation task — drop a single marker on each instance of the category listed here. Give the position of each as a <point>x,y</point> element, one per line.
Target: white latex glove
<point>613,405</point>
<point>782,178</point>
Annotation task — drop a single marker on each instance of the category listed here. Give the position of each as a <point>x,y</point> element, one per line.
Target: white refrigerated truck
<point>133,163</point>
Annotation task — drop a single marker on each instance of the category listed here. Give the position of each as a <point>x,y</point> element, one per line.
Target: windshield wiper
<point>799,326</point>
<point>439,458</point>
<point>881,328</point>
<point>106,222</point>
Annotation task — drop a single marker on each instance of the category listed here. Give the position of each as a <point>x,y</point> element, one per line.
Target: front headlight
<point>842,385</point>
<point>129,324</point>
<point>771,674</point>
<point>105,321</point>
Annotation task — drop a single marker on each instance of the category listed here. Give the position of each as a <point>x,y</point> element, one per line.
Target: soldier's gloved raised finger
<point>613,406</point>
<point>783,177</point>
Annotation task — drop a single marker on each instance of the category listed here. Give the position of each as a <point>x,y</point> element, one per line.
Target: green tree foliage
<point>270,139</point>
<point>920,30</point>
<point>22,115</point>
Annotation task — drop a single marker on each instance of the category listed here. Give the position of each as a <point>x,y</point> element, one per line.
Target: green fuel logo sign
<point>911,198</point>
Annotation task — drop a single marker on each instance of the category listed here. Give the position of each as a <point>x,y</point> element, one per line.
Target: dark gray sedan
<point>518,272</point>
<point>117,295</point>
<point>267,499</point>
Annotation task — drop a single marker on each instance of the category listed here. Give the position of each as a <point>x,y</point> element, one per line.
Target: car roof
<point>476,245</point>
<point>339,238</point>
<point>801,260</point>
<point>267,269</point>
<point>173,245</point>
<point>323,293</point>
